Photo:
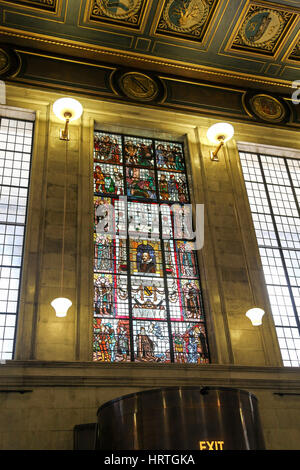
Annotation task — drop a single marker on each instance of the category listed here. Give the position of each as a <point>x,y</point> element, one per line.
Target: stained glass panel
<point>140,183</point>
<point>151,341</point>
<point>139,152</point>
<point>111,340</point>
<point>143,220</point>
<point>107,148</point>
<point>185,300</point>
<point>172,187</point>
<point>147,293</point>
<point>111,295</point>
<point>108,179</point>
<point>190,344</point>
<point>148,298</point>
<point>181,259</point>
<point>146,257</point>
<point>169,156</point>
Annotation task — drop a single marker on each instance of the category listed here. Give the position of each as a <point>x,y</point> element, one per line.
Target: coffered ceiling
<point>254,43</point>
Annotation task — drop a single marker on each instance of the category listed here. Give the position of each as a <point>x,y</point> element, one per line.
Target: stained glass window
<point>273,188</point>
<point>147,294</point>
<point>15,159</point>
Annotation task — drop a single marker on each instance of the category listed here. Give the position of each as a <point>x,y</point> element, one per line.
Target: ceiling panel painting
<point>185,19</point>
<point>262,29</point>
<point>128,13</point>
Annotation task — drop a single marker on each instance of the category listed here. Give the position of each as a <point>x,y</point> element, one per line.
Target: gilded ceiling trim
<point>47,6</point>
<point>143,58</point>
<point>292,55</point>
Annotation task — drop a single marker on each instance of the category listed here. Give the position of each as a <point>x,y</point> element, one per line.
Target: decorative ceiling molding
<point>158,64</point>
<point>43,5</point>
<point>130,33</point>
<point>295,54</point>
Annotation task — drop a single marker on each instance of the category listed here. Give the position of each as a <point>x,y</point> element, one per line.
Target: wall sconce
<point>61,305</point>
<point>219,134</point>
<point>67,110</point>
<point>255,315</point>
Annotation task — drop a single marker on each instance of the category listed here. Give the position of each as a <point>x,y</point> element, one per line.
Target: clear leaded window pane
<point>147,293</point>
<point>272,184</point>
<point>15,159</point>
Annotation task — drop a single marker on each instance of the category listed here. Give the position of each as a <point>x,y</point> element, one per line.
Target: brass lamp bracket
<point>64,133</point>
<point>214,154</point>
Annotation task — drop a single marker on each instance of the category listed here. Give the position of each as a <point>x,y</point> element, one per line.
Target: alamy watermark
<point>122,220</point>
<point>296,93</point>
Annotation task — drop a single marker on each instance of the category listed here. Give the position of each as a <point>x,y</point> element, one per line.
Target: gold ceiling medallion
<point>188,19</point>
<point>262,30</point>
<point>266,108</point>
<point>4,61</point>
<point>185,16</point>
<point>10,62</point>
<point>126,10</point>
<point>138,86</point>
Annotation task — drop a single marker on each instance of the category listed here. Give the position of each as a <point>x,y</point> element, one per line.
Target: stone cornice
<point>21,375</point>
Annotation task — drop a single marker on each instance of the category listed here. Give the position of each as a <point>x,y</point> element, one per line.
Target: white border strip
<point>268,150</point>
<point>17,113</point>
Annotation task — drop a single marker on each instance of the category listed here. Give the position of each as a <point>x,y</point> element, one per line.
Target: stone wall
<point>47,399</point>
<point>63,394</point>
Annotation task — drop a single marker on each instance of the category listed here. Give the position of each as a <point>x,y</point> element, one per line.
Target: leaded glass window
<point>15,159</point>
<point>273,187</point>
<point>147,293</point>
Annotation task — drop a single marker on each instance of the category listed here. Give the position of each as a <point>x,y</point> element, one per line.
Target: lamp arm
<point>64,133</point>
<point>214,154</point>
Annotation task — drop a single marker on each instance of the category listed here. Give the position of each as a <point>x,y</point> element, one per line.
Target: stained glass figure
<point>172,187</point>
<point>180,259</point>
<point>138,152</point>
<point>147,293</point>
<point>190,344</point>
<point>146,257</point>
<point>108,179</point>
<point>169,156</point>
<point>185,299</point>
<point>140,183</point>
<point>110,255</point>
<point>151,341</point>
<point>111,340</point>
<point>107,148</point>
<point>111,295</point>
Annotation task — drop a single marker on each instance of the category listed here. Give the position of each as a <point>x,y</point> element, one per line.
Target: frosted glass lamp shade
<point>61,305</point>
<point>220,132</point>
<point>255,315</point>
<point>67,108</point>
